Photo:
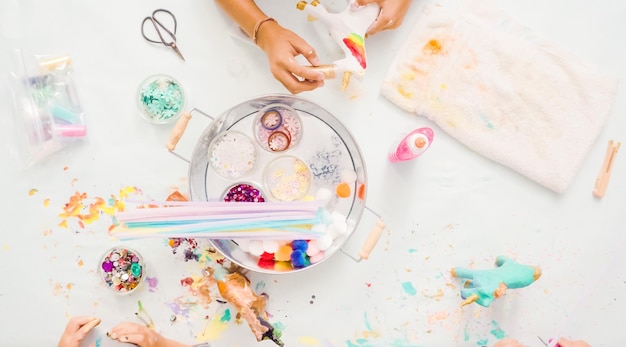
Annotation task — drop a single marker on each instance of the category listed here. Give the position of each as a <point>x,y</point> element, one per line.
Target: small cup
<point>121,269</point>
<point>232,154</point>
<point>244,192</point>
<point>287,178</point>
<point>277,127</point>
<point>160,99</point>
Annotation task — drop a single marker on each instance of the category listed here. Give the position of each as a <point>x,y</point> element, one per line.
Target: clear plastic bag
<point>48,114</point>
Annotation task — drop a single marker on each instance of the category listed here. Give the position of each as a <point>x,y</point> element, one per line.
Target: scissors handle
<point>158,26</point>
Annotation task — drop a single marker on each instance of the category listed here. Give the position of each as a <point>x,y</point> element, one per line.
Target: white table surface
<point>450,207</point>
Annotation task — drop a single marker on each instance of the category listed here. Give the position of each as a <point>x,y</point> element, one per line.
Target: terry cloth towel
<point>501,91</point>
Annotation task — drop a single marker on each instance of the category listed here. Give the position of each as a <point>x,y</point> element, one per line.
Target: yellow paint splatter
<point>80,263</point>
<point>370,334</point>
<point>5,247</point>
<point>69,286</point>
<point>86,213</point>
<point>405,93</point>
<point>32,192</point>
<point>433,47</point>
<point>213,330</point>
<point>308,340</point>
<point>46,202</point>
<point>63,224</point>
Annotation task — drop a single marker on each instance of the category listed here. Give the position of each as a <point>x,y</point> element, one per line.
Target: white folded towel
<point>503,92</point>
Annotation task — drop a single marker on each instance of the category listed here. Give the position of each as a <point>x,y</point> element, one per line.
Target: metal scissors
<point>158,26</point>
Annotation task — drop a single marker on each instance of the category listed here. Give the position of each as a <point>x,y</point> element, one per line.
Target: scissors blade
<point>175,48</point>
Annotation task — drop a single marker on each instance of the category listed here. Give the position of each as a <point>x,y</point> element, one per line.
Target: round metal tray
<point>326,146</point>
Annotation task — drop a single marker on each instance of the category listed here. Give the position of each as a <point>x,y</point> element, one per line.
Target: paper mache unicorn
<point>484,286</point>
<point>347,29</point>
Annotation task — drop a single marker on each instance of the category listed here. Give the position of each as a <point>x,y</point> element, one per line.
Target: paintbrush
<point>271,333</point>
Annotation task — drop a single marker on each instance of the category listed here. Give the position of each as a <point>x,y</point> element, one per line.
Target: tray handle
<point>179,129</point>
<point>371,240</point>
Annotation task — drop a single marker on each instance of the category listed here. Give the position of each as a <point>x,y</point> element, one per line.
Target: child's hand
<point>391,14</point>
<point>141,336</point>
<point>76,330</point>
<point>281,47</point>
<point>569,343</point>
<point>508,343</point>
<point>562,343</point>
<point>137,334</point>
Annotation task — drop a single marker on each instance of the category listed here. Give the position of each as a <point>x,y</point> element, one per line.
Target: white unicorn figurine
<point>347,29</point>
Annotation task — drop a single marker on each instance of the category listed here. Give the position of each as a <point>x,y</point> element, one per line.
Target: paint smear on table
<point>408,288</point>
<point>80,209</point>
<point>215,327</point>
<point>308,341</point>
<point>153,282</point>
<point>497,331</point>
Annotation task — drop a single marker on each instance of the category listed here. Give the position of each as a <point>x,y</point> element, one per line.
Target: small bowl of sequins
<point>160,99</point>
<point>122,269</point>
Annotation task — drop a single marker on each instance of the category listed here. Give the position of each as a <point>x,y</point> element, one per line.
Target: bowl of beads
<point>160,99</point>
<point>304,155</point>
<point>121,269</point>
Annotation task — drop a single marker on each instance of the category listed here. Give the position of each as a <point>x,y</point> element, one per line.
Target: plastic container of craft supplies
<point>48,115</point>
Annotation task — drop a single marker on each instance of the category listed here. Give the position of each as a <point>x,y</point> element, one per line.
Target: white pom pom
<point>256,248</point>
<point>323,195</point>
<point>270,246</point>
<point>324,242</point>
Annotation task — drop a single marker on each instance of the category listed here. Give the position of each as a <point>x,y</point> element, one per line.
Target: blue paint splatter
<point>260,286</point>
<point>402,343</point>
<point>359,343</point>
<point>408,288</point>
<point>487,122</point>
<point>366,321</point>
<point>496,331</point>
<point>412,250</point>
<point>226,316</point>
<point>98,341</point>
<point>482,342</point>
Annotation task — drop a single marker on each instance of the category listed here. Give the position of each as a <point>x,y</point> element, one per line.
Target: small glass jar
<point>277,128</point>
<point>287,178</point>
<point>160,99</point>
<point>232,154</point>
<point>122,269</point>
